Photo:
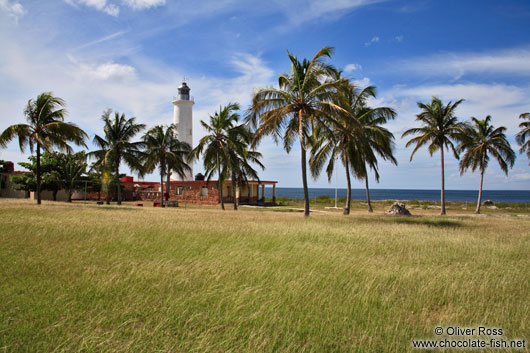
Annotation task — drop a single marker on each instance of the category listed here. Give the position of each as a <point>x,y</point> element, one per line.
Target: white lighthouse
<point>183,119</point>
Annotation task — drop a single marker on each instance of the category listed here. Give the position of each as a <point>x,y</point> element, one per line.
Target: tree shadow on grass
<point>416,220</point>
<point>441,223</point>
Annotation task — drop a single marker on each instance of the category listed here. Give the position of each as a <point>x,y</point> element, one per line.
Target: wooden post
<point>263,192</point>
<point>274,193</point>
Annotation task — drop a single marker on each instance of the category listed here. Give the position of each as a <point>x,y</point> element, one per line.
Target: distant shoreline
<point>509,196</point>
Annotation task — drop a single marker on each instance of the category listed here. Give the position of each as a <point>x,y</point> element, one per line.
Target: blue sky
<point>131,55</point>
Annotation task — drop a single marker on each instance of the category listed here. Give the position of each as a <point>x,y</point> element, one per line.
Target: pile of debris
<point>398,209</point>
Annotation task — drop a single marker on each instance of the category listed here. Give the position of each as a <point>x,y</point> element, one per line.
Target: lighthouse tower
<point>183,119</point>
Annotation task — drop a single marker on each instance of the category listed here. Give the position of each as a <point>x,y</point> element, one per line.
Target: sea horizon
<point>405,194</point>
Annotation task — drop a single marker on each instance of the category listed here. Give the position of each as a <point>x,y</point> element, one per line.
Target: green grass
<point>86,278</point>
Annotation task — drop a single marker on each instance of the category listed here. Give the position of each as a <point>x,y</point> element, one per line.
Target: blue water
<point>407,194</point>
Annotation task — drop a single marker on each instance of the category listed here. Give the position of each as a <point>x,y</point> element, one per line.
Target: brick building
<point>195,192</point>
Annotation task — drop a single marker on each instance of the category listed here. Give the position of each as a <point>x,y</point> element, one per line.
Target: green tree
<point>240,160</point>
<point>44,130</point>
<point>480,140</point>
<point>524,134</point>
<point>220,143</point>
<point>116,145</point>
<point>304,97</point>
<point>439,129</point>
<point>354,138</point>
<point>374,141</point>
<point>71,169</point>
<point>50,179</point>
<point>165,151</point>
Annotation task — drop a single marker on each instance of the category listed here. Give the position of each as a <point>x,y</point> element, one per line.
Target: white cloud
<point>399,38</point>
<point>372,41</point>
<point>521,176</point>
<point>110,71</point>
<point>352,67</point>
<point>456,65</point>
<point>301,11</point>
<point>13,9</point>
<point>362,83</point>
<point>100,5</point>
<point>113,9</point>
<point>143,4</point>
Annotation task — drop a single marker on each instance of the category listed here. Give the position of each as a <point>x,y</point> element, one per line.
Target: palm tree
<point>356,138</point>
<point>222,140</point>
<point>117,146</point>
<point>522,135</point>
<point>45,129</point>
<point>240,168</point>
<point>375,140</point>
<point>71,168</point>
<point>304,97</point>
<point>439,128</point>
<point>480,139</point>
<point>163,149</point>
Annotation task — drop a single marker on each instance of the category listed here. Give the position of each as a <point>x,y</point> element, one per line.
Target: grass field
<point>86,278</point>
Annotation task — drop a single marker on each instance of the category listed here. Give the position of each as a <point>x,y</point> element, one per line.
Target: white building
<point>183,119</point>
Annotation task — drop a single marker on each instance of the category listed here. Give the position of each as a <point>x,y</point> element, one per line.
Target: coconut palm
<point>165,151</point>
<point>221,141</point>
<point>116,145</point>
<point>45,129</point>
<point>479,141</point>
<point>439,129</point>
<point>240,160</point>
<point>304,97</point>
<point>375,140</point>
<point>72,167</point>
<point>522,135</point>
<point>356,138</point>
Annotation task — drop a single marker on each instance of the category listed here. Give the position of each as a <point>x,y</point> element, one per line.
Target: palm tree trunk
<point>168,183</point>
<point>69,191</point>
<point>38,175</point>
<point>303,161</point>
<point>348,190</point>
<point>161,188</point>
<point>220,183</point>
<point>368,193</point>
<point>118,182</point>
<point>234,192</point>
<point>477,210</point>
<point>55,194</point>
<point>442,212</point>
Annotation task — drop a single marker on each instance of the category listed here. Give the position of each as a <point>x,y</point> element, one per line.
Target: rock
<point>487,203</point>
<point>398,208</point>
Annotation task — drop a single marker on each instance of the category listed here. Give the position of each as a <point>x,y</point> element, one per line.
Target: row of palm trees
<point>332,120</point>
<point>314,104</point>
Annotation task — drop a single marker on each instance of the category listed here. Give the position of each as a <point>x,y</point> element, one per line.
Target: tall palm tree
<point>165,151</point>
<point>45,129</point>
<point>480,139</point>
<point>304,97</point>
<point>375,139</point>
<point>356,138</point>
<point>522,135</point>
<point>240,160</point>
<point>72,166</point>
<point>439,129</point>
<point>116,144</point>
<point>221,141</point>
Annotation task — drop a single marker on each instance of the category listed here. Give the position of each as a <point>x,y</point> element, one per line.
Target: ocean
<point>407,194</point>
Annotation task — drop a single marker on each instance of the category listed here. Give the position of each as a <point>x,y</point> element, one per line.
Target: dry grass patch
<point>91,278</point>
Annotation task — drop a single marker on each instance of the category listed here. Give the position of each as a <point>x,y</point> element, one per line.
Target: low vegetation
<point>129,279</point>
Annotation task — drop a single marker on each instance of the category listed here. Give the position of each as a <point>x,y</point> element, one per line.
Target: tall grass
<point>90,279</point>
